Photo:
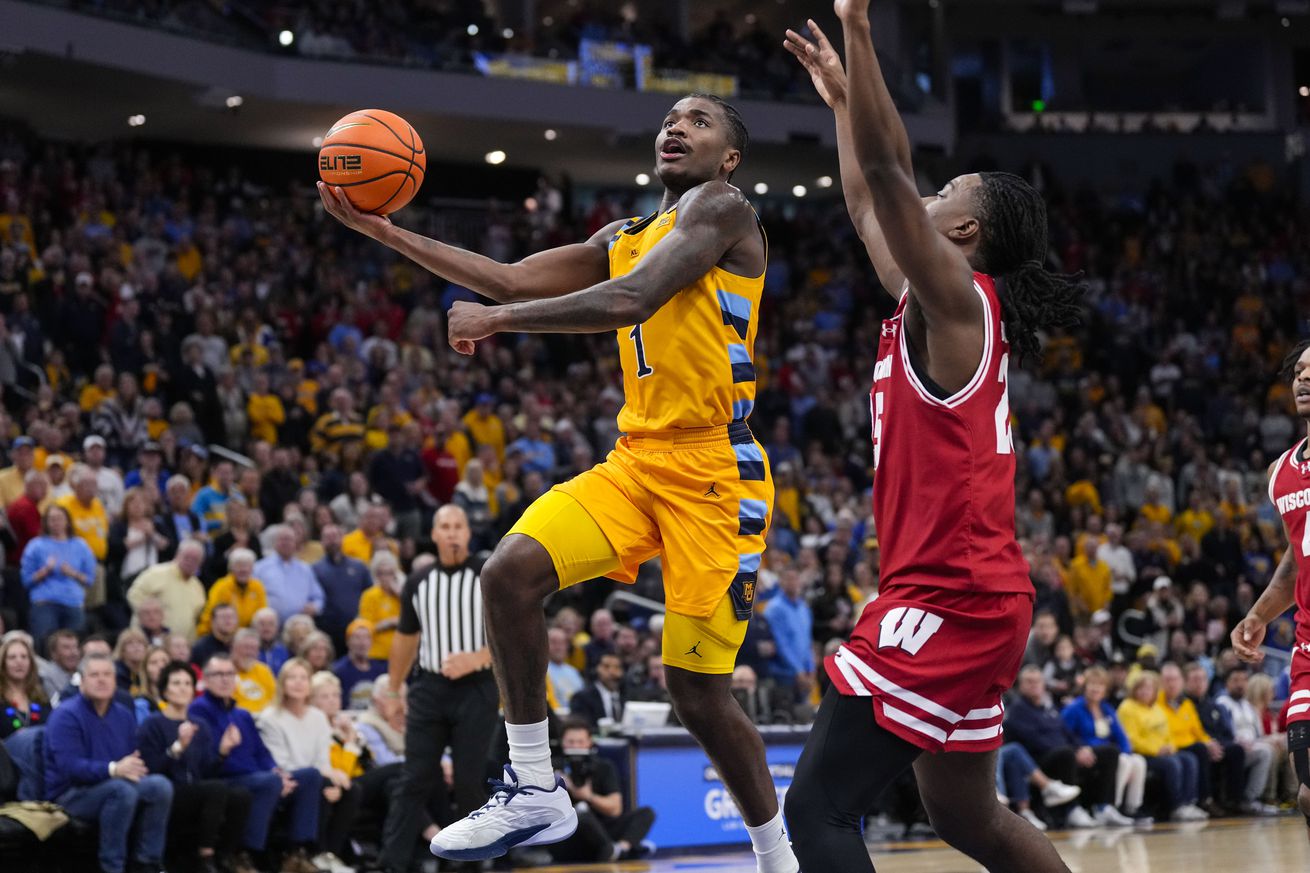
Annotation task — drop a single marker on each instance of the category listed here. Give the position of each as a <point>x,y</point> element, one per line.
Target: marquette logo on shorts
<point>347,163</point>
<point>743,586</point>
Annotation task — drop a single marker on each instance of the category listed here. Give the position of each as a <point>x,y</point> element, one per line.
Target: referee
<point>452,695</point>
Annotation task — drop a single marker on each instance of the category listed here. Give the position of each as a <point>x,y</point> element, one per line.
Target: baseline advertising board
<point>692,805</point>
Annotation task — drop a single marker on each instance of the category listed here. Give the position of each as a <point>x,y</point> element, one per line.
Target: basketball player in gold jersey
<point>687,482</point>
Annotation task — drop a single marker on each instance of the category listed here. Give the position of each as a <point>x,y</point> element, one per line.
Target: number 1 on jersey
<point>643,370</point>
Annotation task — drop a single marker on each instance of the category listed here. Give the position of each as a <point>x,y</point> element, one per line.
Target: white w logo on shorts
<point>907,627</point>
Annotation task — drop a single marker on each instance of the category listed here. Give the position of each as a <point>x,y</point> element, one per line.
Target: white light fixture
<point>496,157</point>
<point>761,188</point>
<point>235,101</point>
<point>548,21</point>
<point>551,134</point>
<point>798,190</point>
<point>824,181</point>
<point>286,37</point>
<point>643,179</point>
<point>471,30</point>
<point>317,141</point>
<point>507,33</point>
<point>1304,91</point>
<point>1286,22</point>
<point>136,120</point>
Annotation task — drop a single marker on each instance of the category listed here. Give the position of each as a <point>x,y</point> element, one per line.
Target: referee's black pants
<point>461,714</point>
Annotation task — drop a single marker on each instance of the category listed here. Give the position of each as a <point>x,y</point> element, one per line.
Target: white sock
<point>772,850</point>
<point>529,753</point>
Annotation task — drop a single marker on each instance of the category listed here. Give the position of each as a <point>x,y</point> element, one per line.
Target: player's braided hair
<point>738,137</point>
<point>1013,247</point>
<point>1288,370</point>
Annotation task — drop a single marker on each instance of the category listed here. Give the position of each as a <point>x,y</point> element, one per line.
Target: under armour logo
<point>692,650</point>
<point>889,328</point>
<point>710,492</point>
<point>1305,468</point>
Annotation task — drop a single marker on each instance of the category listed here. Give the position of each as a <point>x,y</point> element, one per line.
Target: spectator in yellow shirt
<point>371,535</point>
<point>1185,729</point>
<point>98,390</point>
<point>1153,509</point>
<point>380,604</point>
<point>264,410</point>
<point>90,521</point>
<point>485,426</point>
<point>1088,582</point>
<point>1147,727</point>
<point>237,588</point>
<point>255,682</point>
<point>1083,493</point>
<point>1196,519</point>
<point>457,443</point>
<point>1233,506</point>
<point>13,480</point>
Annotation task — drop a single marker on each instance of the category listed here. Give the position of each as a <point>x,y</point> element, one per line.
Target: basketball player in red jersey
<point>1289,489</point>
<point>925,667</point>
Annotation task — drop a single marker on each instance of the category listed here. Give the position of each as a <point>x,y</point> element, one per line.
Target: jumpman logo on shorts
<point>692,650</point>
<point>710,492</point>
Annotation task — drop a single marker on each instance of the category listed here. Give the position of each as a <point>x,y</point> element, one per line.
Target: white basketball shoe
<point>514,816</point>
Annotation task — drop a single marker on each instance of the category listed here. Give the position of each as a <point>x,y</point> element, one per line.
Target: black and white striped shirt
<point>443,605</point>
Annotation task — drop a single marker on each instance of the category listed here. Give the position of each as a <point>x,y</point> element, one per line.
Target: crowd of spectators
<point>447,34</point>
<point>227,423</point>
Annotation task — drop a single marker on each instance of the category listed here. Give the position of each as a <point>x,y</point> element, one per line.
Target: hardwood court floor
<point>1276,845</point>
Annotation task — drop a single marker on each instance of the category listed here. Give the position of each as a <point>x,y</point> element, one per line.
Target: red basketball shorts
<point>934,663</point>
<point>1298,694</point>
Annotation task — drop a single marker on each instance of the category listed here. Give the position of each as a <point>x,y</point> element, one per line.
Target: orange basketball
<point>376,158</point>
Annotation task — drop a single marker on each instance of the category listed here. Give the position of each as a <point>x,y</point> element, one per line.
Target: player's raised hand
<point>851,11</point>
<point>821,61</point>
<point>339,207</point>
<point>1246,639</point>
<point>467,323</point>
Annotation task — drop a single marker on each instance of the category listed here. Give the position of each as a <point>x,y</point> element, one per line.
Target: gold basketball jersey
<point>691,364</point>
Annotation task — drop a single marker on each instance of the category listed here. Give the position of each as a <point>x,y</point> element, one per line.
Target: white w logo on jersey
<point>907,627</point>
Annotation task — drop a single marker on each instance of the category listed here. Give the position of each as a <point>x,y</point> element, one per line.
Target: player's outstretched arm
<point>936,268</point>
<point>545,274</point>
<point>823,64</point>
<point>712,218</point>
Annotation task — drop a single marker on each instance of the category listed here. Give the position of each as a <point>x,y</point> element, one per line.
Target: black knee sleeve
<point>1298,744</point>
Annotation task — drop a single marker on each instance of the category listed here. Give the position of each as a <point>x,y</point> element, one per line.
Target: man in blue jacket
<point>1034,723</point>
<point>247,762</point>
<point>94,771</point>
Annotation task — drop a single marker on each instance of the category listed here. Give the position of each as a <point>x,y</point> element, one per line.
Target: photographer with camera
<point>605,832</point>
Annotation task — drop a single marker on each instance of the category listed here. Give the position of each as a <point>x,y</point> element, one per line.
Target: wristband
<point>113,765</point>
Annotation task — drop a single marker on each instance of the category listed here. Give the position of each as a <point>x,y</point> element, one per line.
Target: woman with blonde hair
<point>317,650</point>
<point>130,661</point>
<point>1282,784</point>
<point>298,736</point>
<point>1092,719</point>
<point>1147,727</point>
<point>23,701</point>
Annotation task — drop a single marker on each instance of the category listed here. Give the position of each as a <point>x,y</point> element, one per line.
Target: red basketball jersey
<point>943,490</point>
<point>1289,489</point>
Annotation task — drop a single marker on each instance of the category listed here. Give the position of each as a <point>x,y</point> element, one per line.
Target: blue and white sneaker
<point>515,816</point>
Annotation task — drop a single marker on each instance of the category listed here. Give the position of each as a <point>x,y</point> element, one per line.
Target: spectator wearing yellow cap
<point>356,669</point>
